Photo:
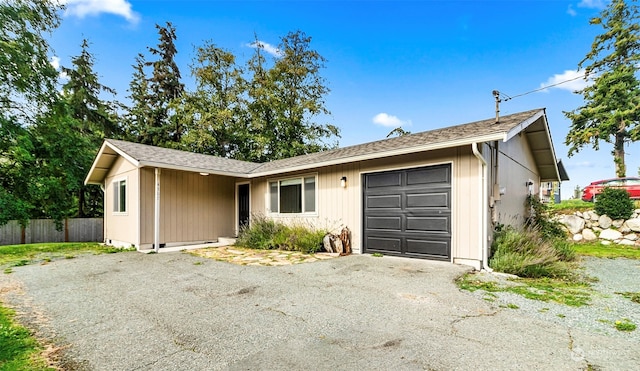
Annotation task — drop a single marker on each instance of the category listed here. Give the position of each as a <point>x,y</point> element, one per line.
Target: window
<point>120,196</point>
<point>293,196</point>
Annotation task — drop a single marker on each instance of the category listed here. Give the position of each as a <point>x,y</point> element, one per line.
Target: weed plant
<point>267,234</point>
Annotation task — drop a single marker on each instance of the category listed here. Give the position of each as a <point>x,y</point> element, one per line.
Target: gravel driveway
<point>174,311</point>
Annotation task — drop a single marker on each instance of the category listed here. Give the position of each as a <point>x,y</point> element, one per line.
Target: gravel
<point>606,306</point>
<point>174,311</point>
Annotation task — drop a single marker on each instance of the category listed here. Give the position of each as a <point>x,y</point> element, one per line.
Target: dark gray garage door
<point>408,212</point>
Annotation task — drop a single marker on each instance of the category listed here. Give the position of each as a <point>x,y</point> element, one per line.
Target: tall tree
<point>27,86</point>
<point>214,114</point>
<point>69,136</point>
<point>299,90</point>
<point>164,85</point>
<point>611,112</point>
<point>138,117</point>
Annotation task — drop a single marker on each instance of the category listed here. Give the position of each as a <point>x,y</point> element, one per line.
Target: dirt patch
<point>272,258</point>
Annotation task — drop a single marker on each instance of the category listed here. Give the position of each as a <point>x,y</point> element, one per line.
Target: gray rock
<point>604,221</point>
<point>596,228</point>
<point>633,224</point>
<point>618,223</point>
<point>593,215</point>
<point>610,234</point>
<point>587,224</point>
<point>625,242</point>
<point>588,235</point>
<point>578,214</point>
<point>631,237</point>
<point>624,228</point>
<point>577,237</point>
<point>605,242</point>
<point>574,223</point>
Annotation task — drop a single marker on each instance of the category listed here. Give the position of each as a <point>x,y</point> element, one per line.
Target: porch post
<point>156,214</point>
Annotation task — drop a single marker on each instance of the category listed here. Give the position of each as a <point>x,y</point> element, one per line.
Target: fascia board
<point>525,124</point>
<point>192,169</point>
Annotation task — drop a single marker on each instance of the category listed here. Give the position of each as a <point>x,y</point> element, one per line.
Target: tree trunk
<point>618,153</point>
<point>81,213</point>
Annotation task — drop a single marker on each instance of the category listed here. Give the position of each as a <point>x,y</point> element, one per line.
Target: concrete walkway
<point>175,311</point>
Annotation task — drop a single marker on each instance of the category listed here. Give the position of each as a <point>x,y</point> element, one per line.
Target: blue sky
<point>419,64</point>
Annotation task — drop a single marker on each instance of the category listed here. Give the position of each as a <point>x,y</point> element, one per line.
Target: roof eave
<point>193,169</point>
<point>376,155</point>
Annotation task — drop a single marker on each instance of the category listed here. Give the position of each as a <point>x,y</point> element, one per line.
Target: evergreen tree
<point>164,85</point>
<point>611,112</point>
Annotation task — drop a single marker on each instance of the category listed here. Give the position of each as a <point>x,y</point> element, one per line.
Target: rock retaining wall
<point>589,226</point>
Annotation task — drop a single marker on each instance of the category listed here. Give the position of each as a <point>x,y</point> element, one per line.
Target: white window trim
<point>116,183</point>
<point>301,177</point>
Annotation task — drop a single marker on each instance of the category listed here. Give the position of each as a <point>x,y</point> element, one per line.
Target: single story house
<point>435,194</point>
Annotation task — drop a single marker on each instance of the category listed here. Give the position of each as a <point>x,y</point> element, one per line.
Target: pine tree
<point>611,112</point>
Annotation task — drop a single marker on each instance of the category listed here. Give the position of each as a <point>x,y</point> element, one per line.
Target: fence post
<point>66,230</point>
<point>23,235</point>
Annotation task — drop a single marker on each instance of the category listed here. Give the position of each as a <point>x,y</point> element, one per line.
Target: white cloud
<point>572,12</point>
<point>385,119</point>
<point>581,164</point>
<point>55,62</point>
<point>273,50</point>
<point>593,4</point>
<point>83,8</point>
<point>568,80</point>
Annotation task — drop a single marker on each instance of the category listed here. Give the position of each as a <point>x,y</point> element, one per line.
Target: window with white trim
<point>293,195</point>
<point>120,196</point>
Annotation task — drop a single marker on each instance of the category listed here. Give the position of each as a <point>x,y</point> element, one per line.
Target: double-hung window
<point>120,196</point>
<point>293,195</point>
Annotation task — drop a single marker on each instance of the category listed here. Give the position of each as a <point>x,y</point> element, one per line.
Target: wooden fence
<point>44,230</point>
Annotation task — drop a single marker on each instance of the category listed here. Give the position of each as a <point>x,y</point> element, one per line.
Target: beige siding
<point>338,207</point>
<point>122,228</point>
<point>193,208</point>
<point>516,166</point>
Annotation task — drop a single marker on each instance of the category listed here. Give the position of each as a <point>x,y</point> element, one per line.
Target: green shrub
<point>529,253</point>
<point>615,203</point>
<point>540,220</point>
<point>266,234</point>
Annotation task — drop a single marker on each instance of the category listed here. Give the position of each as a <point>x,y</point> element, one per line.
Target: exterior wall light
<point>343,182</point>
<point>204,174</point>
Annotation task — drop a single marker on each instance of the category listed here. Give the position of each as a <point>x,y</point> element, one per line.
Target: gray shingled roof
<point>147,155</point>
<point>449,134</point>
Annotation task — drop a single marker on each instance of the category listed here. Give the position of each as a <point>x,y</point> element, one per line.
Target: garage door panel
<point>430,175</point>
<point>429,200</point>
<point>408,212</point>
<point>433,248</point>
<point>384,180</point>
<point>385,222</point>
<point>385,201</point>
<point>384,244</point>
<point>433,224</point>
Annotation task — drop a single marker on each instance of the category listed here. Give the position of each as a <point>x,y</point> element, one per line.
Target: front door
<point>243,205</point>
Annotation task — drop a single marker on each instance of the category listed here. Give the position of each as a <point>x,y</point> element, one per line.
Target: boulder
<point>596,228</point>
<point>605,242</point>
<point>592,215</point>
<point>631,237</point>
<point>618,223</point>
<point>588,235</point>
<point>610,234</point>
<point>577,237</point>
<point>578,214</point>
<point>604,221</point>
<point>625,242</point>
<point>633,224</point>
<point>574,223</point>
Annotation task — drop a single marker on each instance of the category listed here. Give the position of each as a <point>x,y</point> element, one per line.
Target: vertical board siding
<point>193,208</point>
<point>44,230</point>
<point>338,207</point>
<point>122,227</point>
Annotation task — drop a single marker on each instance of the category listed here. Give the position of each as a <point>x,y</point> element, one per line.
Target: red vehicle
<point>632,185</point>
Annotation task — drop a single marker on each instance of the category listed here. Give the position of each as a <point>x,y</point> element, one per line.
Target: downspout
<point>156,214</point>
<point>103,188</point>
<point>483,217</point>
